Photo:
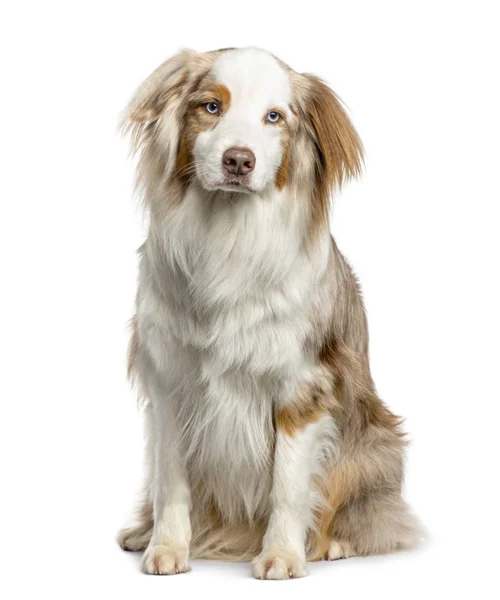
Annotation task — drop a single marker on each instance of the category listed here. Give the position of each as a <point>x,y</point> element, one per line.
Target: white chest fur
<point>223,313</point>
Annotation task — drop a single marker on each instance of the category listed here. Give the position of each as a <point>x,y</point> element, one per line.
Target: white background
<point>421,229</point>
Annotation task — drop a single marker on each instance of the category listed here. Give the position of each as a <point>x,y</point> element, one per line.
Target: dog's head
<point>241,121</point>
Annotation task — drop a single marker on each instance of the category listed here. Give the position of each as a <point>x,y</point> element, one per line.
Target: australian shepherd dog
<point>266,439</point>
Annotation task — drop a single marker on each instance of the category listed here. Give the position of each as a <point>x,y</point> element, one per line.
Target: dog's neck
<point>230,241</point>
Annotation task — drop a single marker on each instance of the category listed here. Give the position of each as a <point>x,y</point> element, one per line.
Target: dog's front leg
<point>283,551</point>
<point>168,550</point>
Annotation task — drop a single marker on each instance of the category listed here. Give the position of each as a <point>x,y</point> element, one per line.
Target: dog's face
<point>239,120</point>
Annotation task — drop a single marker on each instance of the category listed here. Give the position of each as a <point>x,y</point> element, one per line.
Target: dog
<point>266,440</point>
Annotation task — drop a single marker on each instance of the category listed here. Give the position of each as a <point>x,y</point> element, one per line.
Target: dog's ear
<point>154,116</point>
<point>339,151</point>
<point>163,86</point>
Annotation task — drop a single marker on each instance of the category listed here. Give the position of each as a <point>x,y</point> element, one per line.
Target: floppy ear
<point>339,151</point>
<point>153,95</point>
<point>154,115</point>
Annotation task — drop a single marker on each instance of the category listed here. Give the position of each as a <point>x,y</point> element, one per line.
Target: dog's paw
<point>165,559</point>
<point>135,539</point>
<point>279,563</point>
<point>338,550</point>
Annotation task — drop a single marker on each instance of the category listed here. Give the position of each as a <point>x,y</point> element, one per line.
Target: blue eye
<point>273,117</point>
<point>212,108</point>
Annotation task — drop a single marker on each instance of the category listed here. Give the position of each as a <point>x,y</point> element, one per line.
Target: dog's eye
<point>273,117</point>
<point>212,108</point>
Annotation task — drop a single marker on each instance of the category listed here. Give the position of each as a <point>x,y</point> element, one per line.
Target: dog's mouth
<point>231,185</point>
<point>237,185</point>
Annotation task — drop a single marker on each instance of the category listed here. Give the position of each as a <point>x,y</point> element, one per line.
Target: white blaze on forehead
<point>254,78</point>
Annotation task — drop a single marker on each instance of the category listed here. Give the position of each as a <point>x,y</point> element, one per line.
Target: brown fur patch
<point>223,96</point>
<point>209,90</point>
<point>340,151</point>
<point>197,120</point>
<point>353,382</point>
<point>311,402</point>
<point>332,149</point>
<point>297,416</point>
<point>282,173</point>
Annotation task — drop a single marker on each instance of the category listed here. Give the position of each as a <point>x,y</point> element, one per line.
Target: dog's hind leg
<point>137,536</point>
<point>362,511</point>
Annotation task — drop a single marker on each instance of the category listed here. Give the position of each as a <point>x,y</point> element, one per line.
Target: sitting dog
<point>266,439</point>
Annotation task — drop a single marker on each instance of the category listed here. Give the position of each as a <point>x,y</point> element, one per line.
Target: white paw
<point>134,539</point>
<point>166,559</point>
<point>279,563</point>
<point>338,550</point>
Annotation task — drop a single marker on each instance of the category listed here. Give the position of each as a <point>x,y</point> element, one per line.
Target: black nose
<point>238,161</point>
